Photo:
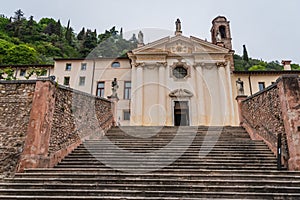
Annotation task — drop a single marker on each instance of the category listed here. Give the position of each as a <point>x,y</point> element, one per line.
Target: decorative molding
<point>161,64</point>
<point>198,64</point>
<point>221,64</point>
<point>140,64</point>
<point>183,64</point>
<point>181,93</point>
<point>209,66</point>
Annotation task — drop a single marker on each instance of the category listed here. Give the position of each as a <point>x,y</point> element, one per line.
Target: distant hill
<point>26,41</point>
<point>240,64</point>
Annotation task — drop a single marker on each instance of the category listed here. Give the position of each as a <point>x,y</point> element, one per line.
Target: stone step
<point>181,159</point>
<point>156,167</point>
<point>175,171</point>
<point>142,187</point>
<point>176,174</point>
<point>85,182</point>
<point>186,153</point>
<point>222,192</point>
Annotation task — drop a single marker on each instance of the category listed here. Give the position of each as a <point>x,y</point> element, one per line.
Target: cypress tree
<point>245,54</point>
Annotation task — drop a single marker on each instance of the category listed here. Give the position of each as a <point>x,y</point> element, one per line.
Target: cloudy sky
<point>269,28</point>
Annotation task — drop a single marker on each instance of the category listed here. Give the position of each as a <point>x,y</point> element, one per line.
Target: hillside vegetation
<point>26,41</point>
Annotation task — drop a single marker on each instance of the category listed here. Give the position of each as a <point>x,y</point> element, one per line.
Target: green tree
<point>4,46</point>
<point>21,54</point>
<point>257,68</point>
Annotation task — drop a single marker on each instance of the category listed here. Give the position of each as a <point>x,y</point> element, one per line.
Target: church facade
<point>175,80</point>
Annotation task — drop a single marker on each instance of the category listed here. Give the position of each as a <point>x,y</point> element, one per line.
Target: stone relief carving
<point>181,93</point>
<point>179,48</point>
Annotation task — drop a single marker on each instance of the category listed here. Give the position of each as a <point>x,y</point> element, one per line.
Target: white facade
<point>176,80</point>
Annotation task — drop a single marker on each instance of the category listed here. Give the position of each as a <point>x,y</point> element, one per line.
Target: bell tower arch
<point>220,32</point>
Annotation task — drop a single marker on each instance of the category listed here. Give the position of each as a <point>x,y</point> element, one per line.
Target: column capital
<point>139,64</point>
<point>199,64</point>
<point>221,64</point>
<point>161,64</point>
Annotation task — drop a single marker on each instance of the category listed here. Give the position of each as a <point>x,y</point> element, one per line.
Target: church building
<point>176,80</point>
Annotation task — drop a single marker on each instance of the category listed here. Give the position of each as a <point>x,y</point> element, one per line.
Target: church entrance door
<point>181,113</point>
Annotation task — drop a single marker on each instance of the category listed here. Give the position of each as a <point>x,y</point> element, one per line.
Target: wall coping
<point>272,86</point>
<point>32,81</point>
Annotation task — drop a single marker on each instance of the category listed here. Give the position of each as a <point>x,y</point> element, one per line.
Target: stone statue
<point>240,87</point>
<point>178,25</point>
<point>114,86</point>
<point>218,37</point>
<point>141,38</point>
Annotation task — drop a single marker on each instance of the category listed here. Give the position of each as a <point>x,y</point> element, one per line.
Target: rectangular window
<point>83,66</point>
<point>82,80</point>
<point>68,66</point>
<point>261,86</point>
<point>66,80</point>
<point>100,89</point>
<point>127,90</point>
<point>126,115</point>
<point>22,72</point>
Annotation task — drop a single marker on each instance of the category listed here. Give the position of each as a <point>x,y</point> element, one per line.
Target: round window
<point>180,72</point>
<point>115,64</point>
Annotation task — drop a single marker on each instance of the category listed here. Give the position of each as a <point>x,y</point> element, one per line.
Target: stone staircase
<point>161,163</point>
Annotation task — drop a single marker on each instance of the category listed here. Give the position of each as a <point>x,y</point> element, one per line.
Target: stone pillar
<point>35,153</point>
<point>138,118</point>
<point>114,108</point>
<point>161,93</point>
<point>133,95</point>
<point>200,94</point>
<point>239,100</point>
<point>230,94</point>
<point>289,94</point>
<point>223,94</point>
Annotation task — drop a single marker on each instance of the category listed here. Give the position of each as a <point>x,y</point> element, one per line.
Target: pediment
<point>181,93</point>
<point>180,45</point>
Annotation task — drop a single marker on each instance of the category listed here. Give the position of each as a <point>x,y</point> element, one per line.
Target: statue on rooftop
<point>178,25</point>
<point>140,38</point>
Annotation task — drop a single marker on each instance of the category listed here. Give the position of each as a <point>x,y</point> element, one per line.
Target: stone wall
<point>41,122</point>
<point>15,106</point>
<point>272,111</point>
<point>262,112</point>
<point>77,115</point>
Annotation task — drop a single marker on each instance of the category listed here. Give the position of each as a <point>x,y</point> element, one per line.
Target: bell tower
<point>220,32</point>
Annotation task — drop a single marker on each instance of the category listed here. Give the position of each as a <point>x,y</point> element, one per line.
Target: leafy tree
<point>7,74</point>
<point>19,15</point>
<point>257,68</point>
<point>81,34</point>
<point>4,46</point>
<point>21,54</point>
<point>295,66</point>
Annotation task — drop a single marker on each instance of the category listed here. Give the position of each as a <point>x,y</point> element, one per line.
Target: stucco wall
<point>15,106</point>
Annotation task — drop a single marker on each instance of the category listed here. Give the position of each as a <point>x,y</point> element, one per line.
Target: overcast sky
<point>269,28</point>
